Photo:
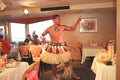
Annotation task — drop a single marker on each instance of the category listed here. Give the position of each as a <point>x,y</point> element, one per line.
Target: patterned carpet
<point>82,70</point>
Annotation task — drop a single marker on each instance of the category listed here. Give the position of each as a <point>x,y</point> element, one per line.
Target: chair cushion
<point>32,75</point>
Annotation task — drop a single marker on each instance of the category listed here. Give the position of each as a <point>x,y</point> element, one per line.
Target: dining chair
<point>13,44</point>
<point>20,43</point>
<point>80,48</point>
<point>105,44</point>
<point>25,53</point>
<point>35,51</point>
<point>32,72</point>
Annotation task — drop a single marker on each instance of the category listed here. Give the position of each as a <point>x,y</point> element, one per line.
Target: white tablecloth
<point>14,73</point>
<point>102,71</point>
<point>89,51</point>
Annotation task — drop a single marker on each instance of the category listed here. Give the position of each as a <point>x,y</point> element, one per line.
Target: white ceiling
<point>14,8</point>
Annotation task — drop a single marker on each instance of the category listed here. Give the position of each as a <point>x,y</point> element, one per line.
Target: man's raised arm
<point>68,28</point>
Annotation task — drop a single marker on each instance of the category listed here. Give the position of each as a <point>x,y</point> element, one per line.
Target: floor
<point>82,70</point>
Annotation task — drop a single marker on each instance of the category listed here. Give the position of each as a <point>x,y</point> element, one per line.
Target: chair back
<point>25,54</point>
<point>35,50</point>
<point>32,72</point>
<point>24,50</point>
<point>80,48</point>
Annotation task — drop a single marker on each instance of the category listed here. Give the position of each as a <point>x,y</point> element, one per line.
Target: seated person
<point>13,54</point>
<point>5,45</point>
<point>27,40</point>
<point>36,41</point>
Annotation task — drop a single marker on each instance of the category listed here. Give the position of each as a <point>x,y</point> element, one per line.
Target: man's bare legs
<point>69,73</point>
<point>54,72</point>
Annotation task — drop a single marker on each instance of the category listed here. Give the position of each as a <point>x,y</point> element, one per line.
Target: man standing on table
<point>57,52</point>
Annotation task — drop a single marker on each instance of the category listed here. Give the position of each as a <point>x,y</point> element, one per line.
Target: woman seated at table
<point>36,41</point>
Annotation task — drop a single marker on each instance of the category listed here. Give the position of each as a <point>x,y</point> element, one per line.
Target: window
<point>2,31</point>
<point>39,27</point>
<point>17,32</point>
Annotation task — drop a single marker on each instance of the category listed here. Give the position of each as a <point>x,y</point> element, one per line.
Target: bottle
<point>110,52</point>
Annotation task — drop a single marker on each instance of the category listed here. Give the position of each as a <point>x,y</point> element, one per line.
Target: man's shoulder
<point>49,28</point>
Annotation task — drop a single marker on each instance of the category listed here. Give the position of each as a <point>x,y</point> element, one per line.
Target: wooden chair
<point>105,44</point>
<point>35,51</point>
<point>80,48</point>
<point>25,54</point>
<point>20,43</point>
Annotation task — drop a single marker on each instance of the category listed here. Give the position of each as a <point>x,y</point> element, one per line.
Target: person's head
<point>56,19</point>
<point>35,36</point>
<point>28,36</point>
<point>1,36</point>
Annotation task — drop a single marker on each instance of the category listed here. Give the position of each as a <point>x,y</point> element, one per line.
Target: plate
<point>12,65</point>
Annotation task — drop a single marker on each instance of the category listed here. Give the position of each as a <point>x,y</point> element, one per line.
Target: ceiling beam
<point>93,6</point>
<point>72,7</point>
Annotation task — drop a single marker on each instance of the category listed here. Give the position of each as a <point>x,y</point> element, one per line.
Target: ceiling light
<point>26,11</point>
<point>2,5</point>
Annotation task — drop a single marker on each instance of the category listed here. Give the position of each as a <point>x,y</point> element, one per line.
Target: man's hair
<point>1,36</point>
<point>55,16</point>
<point>28,35</point>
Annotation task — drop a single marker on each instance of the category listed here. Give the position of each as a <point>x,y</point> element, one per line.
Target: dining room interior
<point>96,35</point>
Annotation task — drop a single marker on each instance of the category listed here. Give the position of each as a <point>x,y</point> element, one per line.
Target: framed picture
<point>89,25</point>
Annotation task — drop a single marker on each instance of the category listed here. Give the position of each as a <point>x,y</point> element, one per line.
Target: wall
<point>118,40</point>
<point>106,30</point>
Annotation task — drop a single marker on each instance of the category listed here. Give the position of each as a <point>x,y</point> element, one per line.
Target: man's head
<point>29,36</point>
<point>55,16</point>
<point>56,19</point>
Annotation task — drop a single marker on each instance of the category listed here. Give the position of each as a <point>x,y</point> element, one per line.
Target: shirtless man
<point>57,52</point>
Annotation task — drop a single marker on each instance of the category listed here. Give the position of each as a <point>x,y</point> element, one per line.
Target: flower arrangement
<point>111,42</point>
<point>88,24</point>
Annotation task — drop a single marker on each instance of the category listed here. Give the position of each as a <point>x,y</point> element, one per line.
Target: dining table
<point>90,51</point>
<point>14,73</point>
<point>103,71</point>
